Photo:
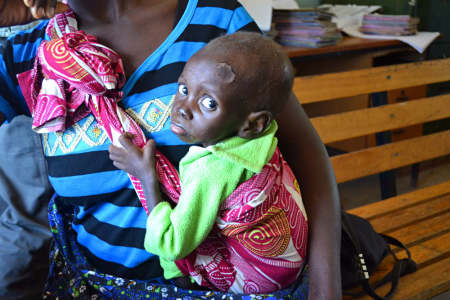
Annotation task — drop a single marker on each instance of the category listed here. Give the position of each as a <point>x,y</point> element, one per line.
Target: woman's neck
<point>102,12</point>
<point>133,28</point>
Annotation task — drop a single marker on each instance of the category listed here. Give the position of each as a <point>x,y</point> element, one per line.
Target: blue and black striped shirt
<point>109,222</point>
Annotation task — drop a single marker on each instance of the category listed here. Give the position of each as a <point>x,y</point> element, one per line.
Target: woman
<point>97,216</point>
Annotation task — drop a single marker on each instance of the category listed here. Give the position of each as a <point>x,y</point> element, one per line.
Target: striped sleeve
<point>242,21</point>
<point>9,103</point>
<point>16,57</point>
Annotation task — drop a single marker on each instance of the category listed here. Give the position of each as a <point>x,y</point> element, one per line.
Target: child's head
<point>235,85</point>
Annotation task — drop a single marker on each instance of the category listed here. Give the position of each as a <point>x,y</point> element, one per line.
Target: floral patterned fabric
<point>71,276</point>
<point>259,241</point>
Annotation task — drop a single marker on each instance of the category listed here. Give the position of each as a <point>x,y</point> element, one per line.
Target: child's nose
<point>184,112</point>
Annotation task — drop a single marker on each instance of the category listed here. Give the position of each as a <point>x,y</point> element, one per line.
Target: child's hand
<point>138,162</point>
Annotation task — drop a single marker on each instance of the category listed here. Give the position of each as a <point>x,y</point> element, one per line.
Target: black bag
<point>362,250</point>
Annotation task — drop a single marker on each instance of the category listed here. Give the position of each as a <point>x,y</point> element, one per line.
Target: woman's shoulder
<point>228,15</point>
<point>20,48</point>
<point>229,4</point>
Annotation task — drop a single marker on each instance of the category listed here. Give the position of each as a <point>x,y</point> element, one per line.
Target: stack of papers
<point>305,28</point>
<point>389,24</point>
<point>349,18</point>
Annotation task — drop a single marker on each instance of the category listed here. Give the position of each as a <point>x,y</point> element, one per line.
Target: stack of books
<point>310,28</point>
<point>389,24</point>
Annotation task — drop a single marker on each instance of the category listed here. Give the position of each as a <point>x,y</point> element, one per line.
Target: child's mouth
<point>177,129</point>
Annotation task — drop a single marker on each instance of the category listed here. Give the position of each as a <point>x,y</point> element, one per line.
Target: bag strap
<point>401,267</point>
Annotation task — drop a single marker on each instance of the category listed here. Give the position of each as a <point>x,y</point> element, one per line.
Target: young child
<point>239,224</point>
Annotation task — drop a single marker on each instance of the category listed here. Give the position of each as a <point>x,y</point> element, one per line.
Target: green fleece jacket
<point>208,176</point>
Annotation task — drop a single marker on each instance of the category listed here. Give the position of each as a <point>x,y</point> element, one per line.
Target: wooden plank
<point>378,159</point>
<point>402,95</point>
<point>430,252</point>
<point>383,207</point>
<point>410,215</point>
<point>316,88</point>
<point>434,245</point>
<point>341,126</point>
<point>425,283</point>
<point>423,230</point>
<point>423,255</point>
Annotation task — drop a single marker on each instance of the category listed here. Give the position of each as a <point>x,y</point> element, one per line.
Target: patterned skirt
<point>72,277</point>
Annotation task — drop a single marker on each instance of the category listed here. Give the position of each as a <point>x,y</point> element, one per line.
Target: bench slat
<point>370,211</point>
<point>337,127</point>
<point>425,283</point>
<point>423,230</point>
<point>378,159</point>
<point>401,218</point>
<point>309,89</point>
<point>425,254</point>
<point>429,251</point>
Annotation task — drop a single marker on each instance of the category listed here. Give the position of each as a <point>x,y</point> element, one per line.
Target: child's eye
<point>209,103</point>
<point>182,89</point>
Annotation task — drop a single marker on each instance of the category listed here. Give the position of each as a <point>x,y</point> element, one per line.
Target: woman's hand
<point>41,8</point>
<point>15,12</point>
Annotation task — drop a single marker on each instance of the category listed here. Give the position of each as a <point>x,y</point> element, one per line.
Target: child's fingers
<point>129,135</point>
<point>119,165</point>
<point>149,149</point>
<point>114,149</point>
<point>151,144</point>
<point>116,153</point>
<point>126,141</point>
<point>115,156</point>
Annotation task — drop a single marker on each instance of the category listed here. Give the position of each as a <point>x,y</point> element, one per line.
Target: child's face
<point>206,108</point>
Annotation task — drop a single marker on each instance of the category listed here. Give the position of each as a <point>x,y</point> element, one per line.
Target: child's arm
<point>141,164</point>
<point>206,181</point>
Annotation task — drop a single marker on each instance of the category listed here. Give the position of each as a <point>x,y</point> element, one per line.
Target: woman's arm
<point>306,154</point>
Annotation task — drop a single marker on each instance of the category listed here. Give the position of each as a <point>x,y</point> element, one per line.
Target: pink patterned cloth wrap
<point>75,76</point>
<point>259,241</point>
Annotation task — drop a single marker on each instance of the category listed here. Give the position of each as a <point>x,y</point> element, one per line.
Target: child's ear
<point>255,124</point>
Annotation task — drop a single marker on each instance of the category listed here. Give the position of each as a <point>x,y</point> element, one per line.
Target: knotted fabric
<point>74,76</point>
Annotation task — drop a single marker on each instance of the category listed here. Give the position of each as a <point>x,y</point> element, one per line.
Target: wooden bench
<point>420,219</point>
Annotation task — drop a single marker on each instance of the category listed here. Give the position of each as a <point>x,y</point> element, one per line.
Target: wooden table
<point>347,44</point>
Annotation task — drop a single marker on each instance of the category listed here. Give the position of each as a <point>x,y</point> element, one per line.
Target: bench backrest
<point>362,122</point>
